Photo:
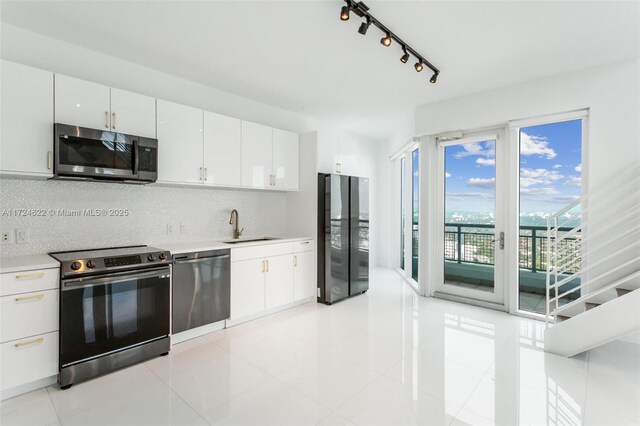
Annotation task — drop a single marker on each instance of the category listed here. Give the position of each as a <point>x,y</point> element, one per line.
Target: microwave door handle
<point>88,282</point>
<point>136,157</point>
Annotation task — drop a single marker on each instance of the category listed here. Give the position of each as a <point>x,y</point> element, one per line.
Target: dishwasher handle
<point>199,259</point>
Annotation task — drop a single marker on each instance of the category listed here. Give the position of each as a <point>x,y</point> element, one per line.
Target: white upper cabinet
<point>82,103</point>
<point>86,104</point>
<point>133,113</point>
<point>285,160</point>
<point>179,143</point>
<point>256,155</point>
<point>27,120</point>
<point>222,150</point>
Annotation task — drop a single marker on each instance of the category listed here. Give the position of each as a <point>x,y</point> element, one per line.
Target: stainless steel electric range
<point>114,309</point>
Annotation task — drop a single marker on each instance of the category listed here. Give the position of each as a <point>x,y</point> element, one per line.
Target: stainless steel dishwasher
<point>201,289</point>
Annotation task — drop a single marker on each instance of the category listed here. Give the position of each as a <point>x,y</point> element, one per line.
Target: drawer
<point>300,246</point>
<point>261,251</point>
<point>28,314</point>
<point>29,281</point>
<point>27,360</point>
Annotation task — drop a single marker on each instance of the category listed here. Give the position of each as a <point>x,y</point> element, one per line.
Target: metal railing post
<point>533,250</point>
<point>459,244</point>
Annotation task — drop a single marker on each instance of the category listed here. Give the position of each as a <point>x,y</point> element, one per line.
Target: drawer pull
<point>29,342</point>
<point>267,265</point>
<point>295,261</point>
<point>264,266</point>
<point>305,242</point>
<point>30,276</point>
<point>34,297</point>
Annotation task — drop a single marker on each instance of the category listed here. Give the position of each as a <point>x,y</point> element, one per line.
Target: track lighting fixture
<point>386,40</point>
<point>404,58</point>
<point>362,11</point>
<point>364,27</point>
<point>344,13</point>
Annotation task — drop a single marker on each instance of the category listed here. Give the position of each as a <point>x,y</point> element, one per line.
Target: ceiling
<point>299,56</point>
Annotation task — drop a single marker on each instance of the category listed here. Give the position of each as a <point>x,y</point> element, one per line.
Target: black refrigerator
<point>343,237</point>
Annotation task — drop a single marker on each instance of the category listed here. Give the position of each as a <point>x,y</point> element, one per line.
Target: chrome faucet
<point>236,232</point>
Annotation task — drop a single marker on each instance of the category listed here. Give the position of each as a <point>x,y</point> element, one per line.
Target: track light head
<point>386,40</point>
<point>344,13</point>
<point>434,78</point>
<point>364,26</point>
<point>404,58</point>
<point>418,66</point>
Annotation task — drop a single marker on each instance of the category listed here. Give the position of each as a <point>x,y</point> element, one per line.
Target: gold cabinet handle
<point>34,297</point>
<point>295,261</point>
<point>264,266</point>
<point>205,174</point>
<point>267,265</point>
<point>29,342</point>
<point>201,174</point>
<point>31,276</point>
<point>49,160</point>
<point>113,120</point>
<point>106,119</point>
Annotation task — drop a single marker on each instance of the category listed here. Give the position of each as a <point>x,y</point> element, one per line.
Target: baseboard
<point>469,301</point>
<point>196,332</point>
<point>28,387</point>
<point>231,323</point>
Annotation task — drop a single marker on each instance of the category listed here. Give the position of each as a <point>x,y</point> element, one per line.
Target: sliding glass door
<point>409,166</point>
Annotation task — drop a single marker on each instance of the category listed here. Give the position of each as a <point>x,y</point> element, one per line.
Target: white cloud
<point>486,183</point>
<point>574,180</point>
<point>480,149</point>
<point>539,191</point>
<point>447,175</point>
<point>557,166</point>
<point>578,168</point>
<point>536,145</point>
<point>486,161</point>
<point>462,196</point>
<point>532,177</point>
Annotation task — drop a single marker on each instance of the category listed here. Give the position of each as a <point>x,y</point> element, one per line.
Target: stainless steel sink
<point>251,240</point>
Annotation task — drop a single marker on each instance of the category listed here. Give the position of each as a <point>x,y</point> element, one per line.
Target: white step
<point>604,323</point>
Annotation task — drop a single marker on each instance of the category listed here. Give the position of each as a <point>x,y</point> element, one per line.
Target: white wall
<point>612,95</point>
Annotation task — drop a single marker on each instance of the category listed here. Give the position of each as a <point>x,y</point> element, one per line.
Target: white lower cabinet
<point>304,275</point>
<point>28,329</point>
<point>278,281</point>
<point>28,360</point>
<point>247,288</point>
<point>271,276</point>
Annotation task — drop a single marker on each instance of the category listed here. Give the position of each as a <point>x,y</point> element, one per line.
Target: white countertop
<point>178,248</point>
<point>44,261</point>
<point>27,263</point>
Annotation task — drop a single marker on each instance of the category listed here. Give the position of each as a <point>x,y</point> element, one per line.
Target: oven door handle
<point>114,278</point>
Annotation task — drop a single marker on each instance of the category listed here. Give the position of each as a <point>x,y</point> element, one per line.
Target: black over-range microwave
<point>90,154</point>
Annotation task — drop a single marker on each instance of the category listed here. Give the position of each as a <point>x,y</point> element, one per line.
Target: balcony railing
<point>473,243</point>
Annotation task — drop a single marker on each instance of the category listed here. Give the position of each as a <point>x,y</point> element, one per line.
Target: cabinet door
<point>27,120</point>
<point>82,103</point>
<point>133,113</point>
<point>247,288</point>
<point>256,155</point>
<point>222,149</point>
<point>285,159</point>
<point>179,143</point>
<point>279,281</point>
<point>304,275</point>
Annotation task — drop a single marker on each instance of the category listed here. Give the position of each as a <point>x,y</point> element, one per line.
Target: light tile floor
<point>385,357</point>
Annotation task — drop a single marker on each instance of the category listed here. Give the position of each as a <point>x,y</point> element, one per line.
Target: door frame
<point>500,297</point>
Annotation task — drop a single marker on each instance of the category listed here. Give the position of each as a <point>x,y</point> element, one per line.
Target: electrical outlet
<point>183,228</point>
<point>169,229</point>
<point>22,236</point>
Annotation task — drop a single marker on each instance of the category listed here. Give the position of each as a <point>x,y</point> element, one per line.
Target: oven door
<point>107,313</point>
<point>82,152</point>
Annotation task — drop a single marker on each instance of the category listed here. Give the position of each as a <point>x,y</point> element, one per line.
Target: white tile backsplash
<point>203,213</point>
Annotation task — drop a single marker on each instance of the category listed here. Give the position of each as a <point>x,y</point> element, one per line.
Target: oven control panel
<point>121,261</point>
<point>94,265</point>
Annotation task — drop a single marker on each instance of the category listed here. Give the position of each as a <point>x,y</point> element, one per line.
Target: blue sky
<point>550,169</point>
